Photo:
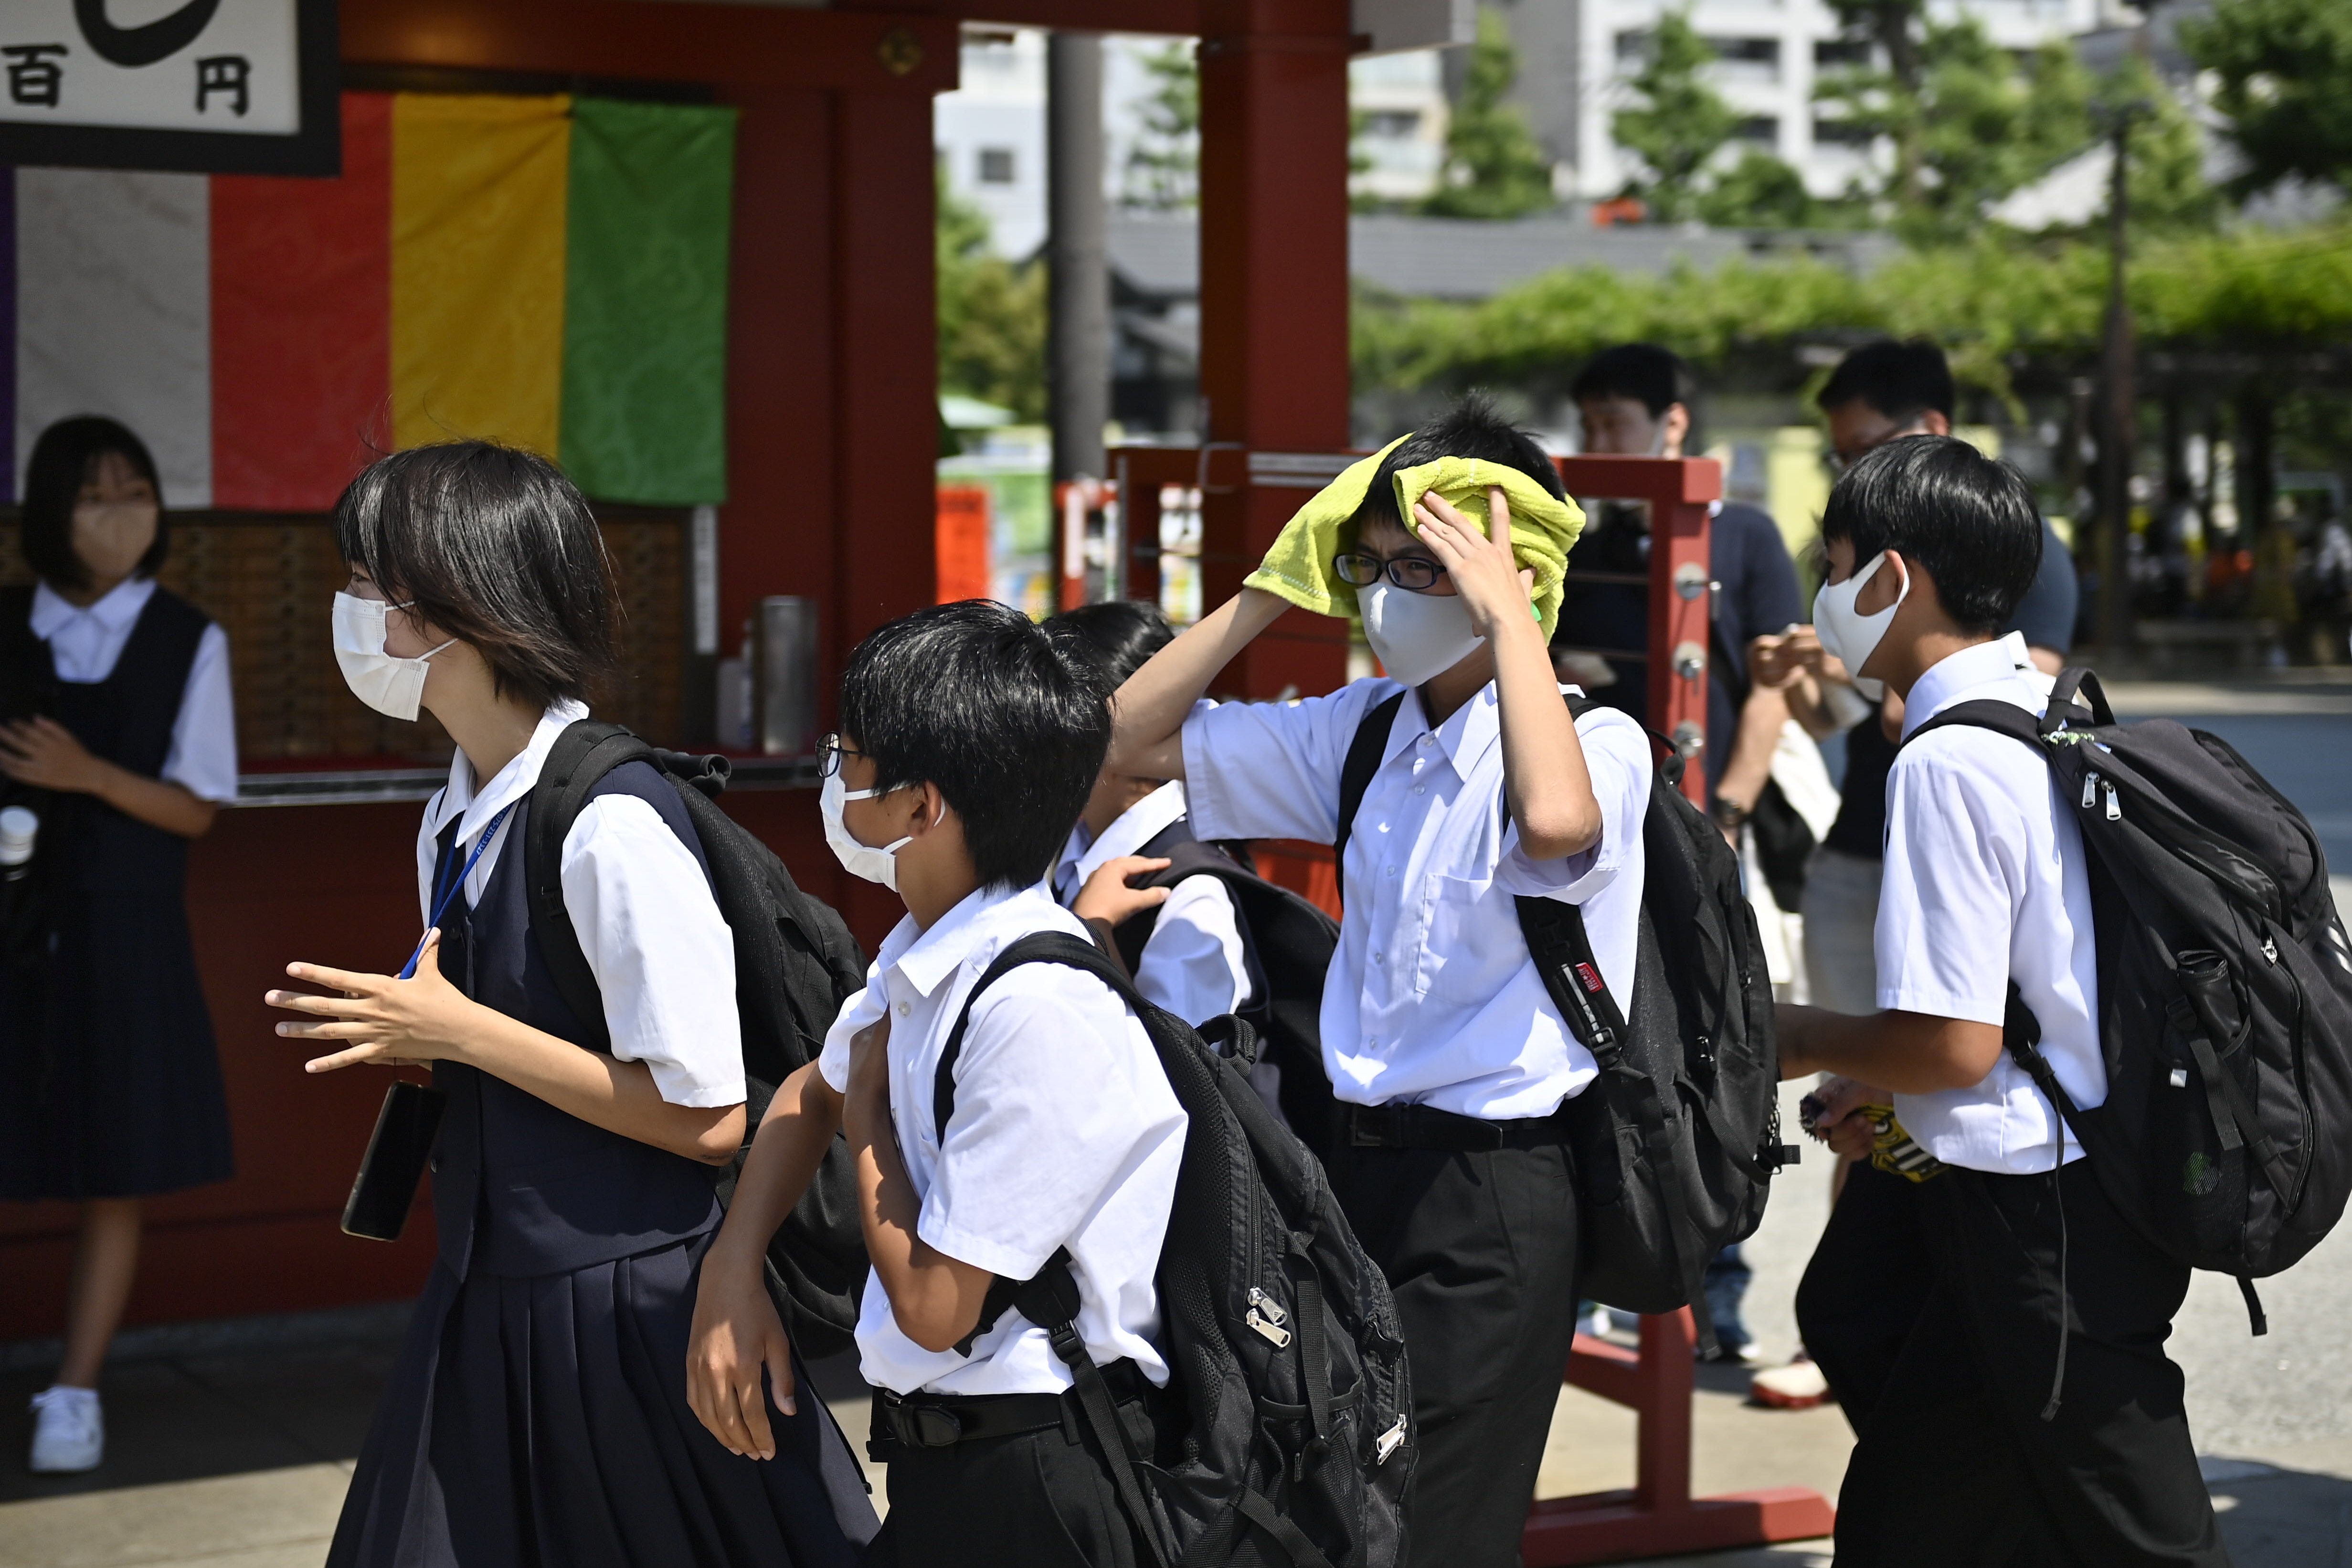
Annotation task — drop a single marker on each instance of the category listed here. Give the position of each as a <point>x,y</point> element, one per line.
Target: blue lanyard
<point>441,900</point>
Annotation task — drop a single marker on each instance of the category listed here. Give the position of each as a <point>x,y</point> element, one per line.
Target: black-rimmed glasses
<point>829,753</point>
<point>1416,573</point>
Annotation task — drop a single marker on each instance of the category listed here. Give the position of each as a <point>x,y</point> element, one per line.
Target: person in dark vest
<point>120,740</point>
<point>536,1414</point>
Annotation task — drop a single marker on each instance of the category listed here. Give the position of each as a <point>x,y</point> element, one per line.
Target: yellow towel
<point>1543,529</point>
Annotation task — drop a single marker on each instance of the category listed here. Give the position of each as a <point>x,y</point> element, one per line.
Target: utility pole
<point>2119,422</point>
<point>1076,255</point>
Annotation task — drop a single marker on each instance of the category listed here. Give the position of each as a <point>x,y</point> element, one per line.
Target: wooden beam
<point>887,52</point>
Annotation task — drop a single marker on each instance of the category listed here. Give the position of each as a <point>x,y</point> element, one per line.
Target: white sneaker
<point>69,1431</point>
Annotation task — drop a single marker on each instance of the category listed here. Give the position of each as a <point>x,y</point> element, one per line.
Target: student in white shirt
<point>2031,1415</point>
<point>1447,1058</point>
<point>1191,958</point>
<point>969,741</point>
<point>120,740</point>
<point>536,1414</point>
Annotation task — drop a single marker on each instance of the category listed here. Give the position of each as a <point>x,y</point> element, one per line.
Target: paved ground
<point>231,1449</point>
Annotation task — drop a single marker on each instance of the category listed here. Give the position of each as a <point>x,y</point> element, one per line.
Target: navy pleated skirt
<point>542,1423</point>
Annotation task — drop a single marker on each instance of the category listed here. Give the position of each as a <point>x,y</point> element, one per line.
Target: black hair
<point>984,703</point>
<point>1115,638</point>
<point>63,459</point>
<point>1654,377</point>
<point>1901,381</point>
<point>494,546</point>
<point>1968,520</point>
<point>1471,428</point>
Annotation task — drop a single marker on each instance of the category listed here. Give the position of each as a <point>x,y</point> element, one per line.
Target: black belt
<point>1426,1127</point>
<point>944,1420</point>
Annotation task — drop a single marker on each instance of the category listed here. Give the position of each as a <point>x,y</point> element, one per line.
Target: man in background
<point>1635,400</point>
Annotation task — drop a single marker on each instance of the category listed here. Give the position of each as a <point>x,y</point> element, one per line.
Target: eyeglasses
<point>1414,573</point>
<point>829,753</point>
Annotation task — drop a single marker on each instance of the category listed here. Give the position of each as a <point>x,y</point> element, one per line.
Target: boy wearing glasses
<point>1447,1058</point>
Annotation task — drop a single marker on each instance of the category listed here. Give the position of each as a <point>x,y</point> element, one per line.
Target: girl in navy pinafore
<point>538,1413</point>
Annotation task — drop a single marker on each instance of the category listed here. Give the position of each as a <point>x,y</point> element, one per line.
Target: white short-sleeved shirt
<point>1193,964</point>
<point>1432,997</point>
<point>86,644</point>
<point>1985,883</point>
<point>661,952</point>
<point>1066,1134</point>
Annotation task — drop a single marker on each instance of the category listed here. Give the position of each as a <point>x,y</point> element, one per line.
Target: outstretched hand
<point>1493,586</point>
<point>379,1019</point>
<point>1109,898</point>
<point>736,1334</point>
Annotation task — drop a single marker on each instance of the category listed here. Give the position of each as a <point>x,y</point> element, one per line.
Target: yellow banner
<point>478,250</point>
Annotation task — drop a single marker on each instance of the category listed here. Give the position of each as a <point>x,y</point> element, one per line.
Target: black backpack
<point>1288,943</point>
<point>1677,1141</point>
<point>2225,988</point>
<point>1286,1359</point>
<point>795,962</point>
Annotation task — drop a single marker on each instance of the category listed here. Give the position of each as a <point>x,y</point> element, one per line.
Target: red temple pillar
<point>1273,295</point>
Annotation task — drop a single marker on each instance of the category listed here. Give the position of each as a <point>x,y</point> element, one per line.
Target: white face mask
<point>1417,636</point>
<point>859,860</point>
<point>1851,637</point>
<point>393,687</point>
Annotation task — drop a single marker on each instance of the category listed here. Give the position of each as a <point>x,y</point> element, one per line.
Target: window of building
<point>1836,54</point>
<point>1841,133</point>
<point>1764,129</point>
<point>1400,124</point>
<point>996,166</point>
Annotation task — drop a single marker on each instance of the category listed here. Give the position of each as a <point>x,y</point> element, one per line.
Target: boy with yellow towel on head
<point>1472,789</point>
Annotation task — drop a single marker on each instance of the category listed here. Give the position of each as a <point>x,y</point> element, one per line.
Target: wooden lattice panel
<point>270,580</point>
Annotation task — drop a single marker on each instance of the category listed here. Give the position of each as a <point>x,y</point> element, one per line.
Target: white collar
<point>1469,732</point>
<point>1136,826</point>
<point>120,604</point>
<point>924,958</point>
<point>459,799</point>
<point>1958,677</point>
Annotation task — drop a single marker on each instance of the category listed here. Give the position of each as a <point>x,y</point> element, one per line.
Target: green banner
<point>645,318</point>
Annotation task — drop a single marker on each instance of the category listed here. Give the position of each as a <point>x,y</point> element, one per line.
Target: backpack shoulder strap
<point>2001,718</point>
<point>1049,1298</point>
<point>578,760</point>
<point>1364,760</point>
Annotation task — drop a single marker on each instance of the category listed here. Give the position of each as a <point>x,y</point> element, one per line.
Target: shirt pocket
<point>1457,935</point>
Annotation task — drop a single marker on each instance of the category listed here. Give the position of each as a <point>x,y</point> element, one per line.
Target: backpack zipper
<point>2090,789</point>
<point>1388,1442</point>
<point>2114,806</point>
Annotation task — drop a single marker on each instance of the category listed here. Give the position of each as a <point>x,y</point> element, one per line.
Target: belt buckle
<point>933,1427</point>
<point>1375,1127</point>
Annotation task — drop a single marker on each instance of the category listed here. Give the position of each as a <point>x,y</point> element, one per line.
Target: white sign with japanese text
<point>229,66</point>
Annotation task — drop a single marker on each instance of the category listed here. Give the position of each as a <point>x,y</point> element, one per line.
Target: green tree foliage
<point>1993,300</point>
<point>2169,188</point>
<point>1163,164</point>
<point>1760,190</point>
<point>1968,123</point>
<point>2285,85</point>
<point>1494,167</point>
<point>1677,122</point>
<point>991,315</point>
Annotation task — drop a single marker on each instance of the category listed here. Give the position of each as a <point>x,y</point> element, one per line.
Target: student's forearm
<point>1546,785</point>
<point>1749,768</point>
<point>172,807</point>
<point>620,1096</point>
<point>1148,714</point>
<point>1910,1053</point>
<point>937,1300</point>
<point>1808,707</point>
<point>782,1160</point>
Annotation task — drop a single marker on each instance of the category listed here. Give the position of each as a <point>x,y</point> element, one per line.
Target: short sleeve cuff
<point>697,1091</point>
<point>942,1234</point>
<point>1204,795</point>
<point>1993,1010</point>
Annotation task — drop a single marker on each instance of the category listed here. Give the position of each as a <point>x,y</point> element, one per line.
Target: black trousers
<point>1956,1465</point>
<point>1867,1282</point>
<point>1044,1498</point>
<point>1480,1250</point>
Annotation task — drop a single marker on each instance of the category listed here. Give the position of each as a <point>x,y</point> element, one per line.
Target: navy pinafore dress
<point>109,1078</point>
<point>537,1415</point>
